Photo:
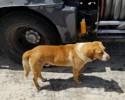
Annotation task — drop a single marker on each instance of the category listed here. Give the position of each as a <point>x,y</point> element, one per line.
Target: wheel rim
<point>23,38</point>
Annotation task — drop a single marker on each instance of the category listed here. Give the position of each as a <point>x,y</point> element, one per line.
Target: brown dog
<point>75,55</point>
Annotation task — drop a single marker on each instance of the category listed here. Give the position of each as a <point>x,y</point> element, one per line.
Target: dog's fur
<point>75,55</point>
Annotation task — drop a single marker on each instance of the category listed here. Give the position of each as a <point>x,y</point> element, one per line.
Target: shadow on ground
<point>7,63</point>
<point>87,81</point>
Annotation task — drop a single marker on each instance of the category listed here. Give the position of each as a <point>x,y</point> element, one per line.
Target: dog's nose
<point>108,57</point>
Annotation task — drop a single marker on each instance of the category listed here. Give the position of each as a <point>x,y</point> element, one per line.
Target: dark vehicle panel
<point>55,22</point>
<point>63,17</point>
<point>28,2</point>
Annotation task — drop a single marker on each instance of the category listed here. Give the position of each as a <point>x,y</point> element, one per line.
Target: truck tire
<point>21,31</point>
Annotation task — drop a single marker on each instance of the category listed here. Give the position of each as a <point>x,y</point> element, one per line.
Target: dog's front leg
<point>76,75</point>
<point>81,75</point>
<point>76,70</point>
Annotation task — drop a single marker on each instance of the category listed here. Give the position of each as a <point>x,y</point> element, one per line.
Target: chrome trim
<point>111,31</point>
<point>103,23</point>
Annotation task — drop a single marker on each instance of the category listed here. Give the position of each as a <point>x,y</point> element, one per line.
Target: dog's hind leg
<point>41,77</point>
<point>35,66</point>
<point>41,70</point>
<point>35,79</point>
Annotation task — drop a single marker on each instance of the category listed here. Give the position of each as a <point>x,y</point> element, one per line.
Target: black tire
<point>13,30</point>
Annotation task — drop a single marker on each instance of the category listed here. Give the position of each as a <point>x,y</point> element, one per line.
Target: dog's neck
<point>80,53</point>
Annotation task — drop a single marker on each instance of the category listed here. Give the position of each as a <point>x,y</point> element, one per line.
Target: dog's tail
<point>25,62</point>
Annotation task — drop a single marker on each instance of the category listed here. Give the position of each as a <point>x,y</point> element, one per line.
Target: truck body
<point>28,23</point>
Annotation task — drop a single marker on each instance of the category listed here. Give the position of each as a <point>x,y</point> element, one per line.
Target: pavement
<point>101,80</point>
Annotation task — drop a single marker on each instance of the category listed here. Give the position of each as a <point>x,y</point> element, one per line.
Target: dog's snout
<point>105,57</point>
<point>108,57</point>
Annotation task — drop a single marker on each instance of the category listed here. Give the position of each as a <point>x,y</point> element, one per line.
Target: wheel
<point>21,31</point>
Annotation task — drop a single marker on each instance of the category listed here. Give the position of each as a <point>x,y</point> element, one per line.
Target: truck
<point>25,24</point>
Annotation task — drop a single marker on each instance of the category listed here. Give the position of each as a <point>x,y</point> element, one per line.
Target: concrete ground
<point>101,81</point>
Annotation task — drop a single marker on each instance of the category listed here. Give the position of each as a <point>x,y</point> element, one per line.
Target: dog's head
<point>96,50</point>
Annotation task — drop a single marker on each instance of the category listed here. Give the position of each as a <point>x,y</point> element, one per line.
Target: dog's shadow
<point>87,81</point>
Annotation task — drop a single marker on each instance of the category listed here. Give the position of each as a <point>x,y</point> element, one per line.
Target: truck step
<point>110,31</point>
<point>104,23</point>
<point>119,24</point>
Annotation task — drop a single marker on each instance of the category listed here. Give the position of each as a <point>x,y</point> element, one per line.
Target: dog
<point>74,55</point>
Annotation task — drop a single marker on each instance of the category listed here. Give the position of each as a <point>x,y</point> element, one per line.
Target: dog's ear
<point>98,51</point>
<point>90,53</point>
<point>100,44</point>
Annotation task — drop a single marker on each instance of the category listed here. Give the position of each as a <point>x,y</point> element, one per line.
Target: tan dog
<point>75,55</point>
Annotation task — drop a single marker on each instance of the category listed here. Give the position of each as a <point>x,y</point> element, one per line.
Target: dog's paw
<point>44,79</point>
<point>81,75</point>
<point>39,89</point>
<point>78,82</point>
